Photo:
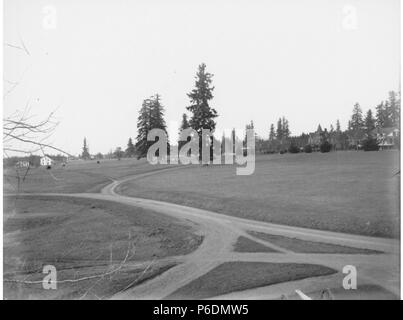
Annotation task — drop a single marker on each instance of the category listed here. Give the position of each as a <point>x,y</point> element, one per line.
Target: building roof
<point>386,131</point>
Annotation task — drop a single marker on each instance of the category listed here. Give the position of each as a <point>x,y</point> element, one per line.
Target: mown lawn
<point>237,276</point>
<point>353,192</point>
<point>84,238</point>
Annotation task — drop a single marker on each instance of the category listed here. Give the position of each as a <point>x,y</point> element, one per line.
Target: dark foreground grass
<point>244,244</point>
<point>93,289</point>
<point>347,191</point>
<point>84,237</point>
<point>363,292</point>
<point>304,246</point>
<point>237,276</point>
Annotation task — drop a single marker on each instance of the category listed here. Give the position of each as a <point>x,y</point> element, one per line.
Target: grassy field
<point>303,246</point>
<point>353,192</point>
<point>236,276</point>
<point>77,176</point>
<point>244,244</point>
<point>83,238</point>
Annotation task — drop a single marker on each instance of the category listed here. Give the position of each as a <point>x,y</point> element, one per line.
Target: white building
<point>46,161</point>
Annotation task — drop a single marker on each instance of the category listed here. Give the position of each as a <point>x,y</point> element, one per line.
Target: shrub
<point>370,144</point>
<point>308,148</point>
<point>325,147</point>
<point>293,149</point>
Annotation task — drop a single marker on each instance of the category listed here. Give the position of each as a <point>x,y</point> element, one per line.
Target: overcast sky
<point>308,60</point>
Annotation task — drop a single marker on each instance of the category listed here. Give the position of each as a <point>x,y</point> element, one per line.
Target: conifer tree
<point>130,150</point>
<point>369,122</point>
<point>202,114</point>
<point>85,154</point>
<point>151,116</point>
<point>272,134</point>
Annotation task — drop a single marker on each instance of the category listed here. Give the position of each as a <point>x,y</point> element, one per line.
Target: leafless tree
<point>23,133</point>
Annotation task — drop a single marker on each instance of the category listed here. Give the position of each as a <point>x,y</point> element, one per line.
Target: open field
<point>218,241</point>
<point>83,238</point>
<point>76,176</point>
<point>244,244</point>
<point>353,192</point>
<point>303,246</point>
<point>236,276</point>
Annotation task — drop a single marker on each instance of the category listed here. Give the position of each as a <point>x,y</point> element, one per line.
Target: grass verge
<point>237,276</point>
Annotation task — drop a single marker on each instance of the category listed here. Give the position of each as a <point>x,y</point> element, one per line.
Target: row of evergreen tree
<point>202,115</point>
<point>151,116</point>
<point>359,127</point>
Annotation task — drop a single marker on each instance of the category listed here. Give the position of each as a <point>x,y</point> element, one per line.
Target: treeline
<point>364,132</point>
<point>151,115</point>
<point>361,132</point>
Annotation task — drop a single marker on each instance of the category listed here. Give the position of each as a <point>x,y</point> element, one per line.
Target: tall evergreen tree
<point>356,119</point>
<point>394,108</point>
<point>143,127</point>
<point>369,123</point>
<point>349,126</point>
<point>130,150</point>
<point>286,128</point>
<point>85,154</point>
<point>157,111</point>
<point>185,122</point>
<point>338,136</point>
<point>279,131</point>
<point>202,114</point>
<point>272,134</point>
<point>381,115</point>
<point>338,129</point>
<point>151,116</point>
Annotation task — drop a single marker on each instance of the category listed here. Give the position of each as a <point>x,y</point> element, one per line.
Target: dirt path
<point>221,232</point>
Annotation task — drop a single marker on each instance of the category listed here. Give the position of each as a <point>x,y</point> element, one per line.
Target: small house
<point>388,138</point>
<point>46,161</point>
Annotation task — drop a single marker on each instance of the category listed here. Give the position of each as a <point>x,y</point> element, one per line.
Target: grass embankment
<point>83,238</point>
<point>304,246</point>
<point>236,276</point>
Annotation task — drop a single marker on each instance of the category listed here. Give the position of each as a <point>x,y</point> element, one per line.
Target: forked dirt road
<point>221,232</point>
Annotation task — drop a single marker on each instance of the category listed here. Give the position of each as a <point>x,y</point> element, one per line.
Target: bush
<point>308,148</point>
<point>293,149</point>
<point>370,144</point>
<point>325,147</point>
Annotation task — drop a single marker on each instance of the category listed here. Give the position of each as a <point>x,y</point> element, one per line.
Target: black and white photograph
<point>195,150</point>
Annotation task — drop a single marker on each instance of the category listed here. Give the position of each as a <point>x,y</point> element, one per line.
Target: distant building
<point>388,138</point>
<point>46,161</point>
